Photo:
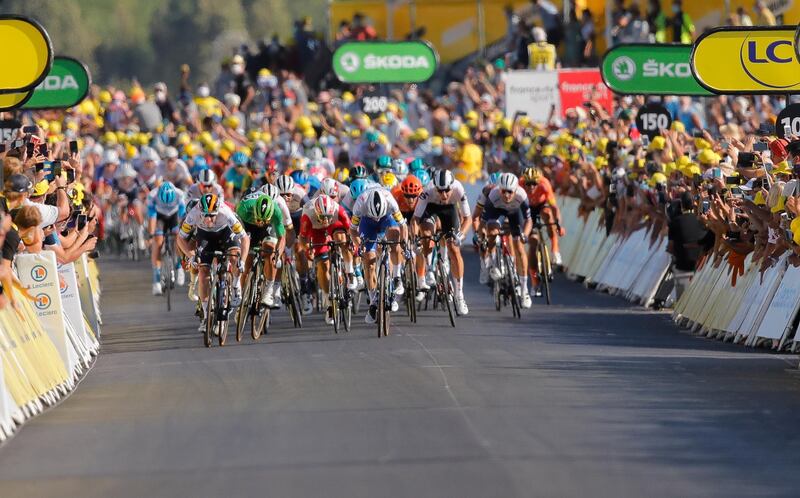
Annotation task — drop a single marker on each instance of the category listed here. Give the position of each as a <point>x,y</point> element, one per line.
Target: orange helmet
<point>411,185</point>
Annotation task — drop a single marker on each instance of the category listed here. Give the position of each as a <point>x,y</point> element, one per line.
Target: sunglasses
<point>207,216</point>
<point>410,196</point>
<point>509,192</point>
<point>443,190</point>
<point>531,184</point>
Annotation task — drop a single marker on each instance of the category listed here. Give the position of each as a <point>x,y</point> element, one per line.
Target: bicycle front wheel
<point>447,292</point>
<point>211,311</point>
<point>383,312</point>
<point>223,297</point>
<point>545,270</point>
<point>168,277</point>
<point>247,302</point>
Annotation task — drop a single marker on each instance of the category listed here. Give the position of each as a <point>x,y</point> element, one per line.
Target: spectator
<point>242,86</point>
<point>541,55</point>
<point>688,240</point>
<point>362,30</point>
<point>636,29</point>
<point>164,103</point>
<point>678,28</point>
<point>146,113</point>
<point>344,33</point>
<point>744,19</point>
<point>573,41</point>
<point>653,12</point>
<point>524,38</point>
<point>764,16</point>
<point>620,17</point>
<point>588,34</point>
<point>551,20</point>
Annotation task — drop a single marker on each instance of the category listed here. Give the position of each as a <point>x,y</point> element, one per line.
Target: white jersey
<point>497,199</point>
<point>299,197</point>
<point>193,192</point>
<point>226,218</point>
<point>360,209</point>
<point>458,198</point>
<point>287,217</point>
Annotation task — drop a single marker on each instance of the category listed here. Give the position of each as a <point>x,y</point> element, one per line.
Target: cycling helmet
<point>494,177</point>
<point>358,187</point>
<point>417,165</point>
<point>271,166</point>
<point>532,175</point>
<point>443,179</point>
<point>399,167</point>
<point>209,204</point>
<point>508,181</point>
<point>329,187</point>
<point>389,180</point>
<point>383,162</point>
<point>325,208</point>
<point>200,162</point>
<point>342,174</point>
<point>239,158</point>
<point>263,208</point>
<point>299,177</point>
<point>206,177</point>
<point>411,186</point>
<point>298,163</point>
<point>270,190</point>
<point>285,184</point>
<point>377,206</point>
<point>424,176</point>
<point>360,171</point>
<point>167,194</point>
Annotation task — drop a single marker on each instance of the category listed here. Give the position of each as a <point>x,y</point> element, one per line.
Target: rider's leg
<point>548,217</point>
<point>426,230</point>
<point>155,256</point>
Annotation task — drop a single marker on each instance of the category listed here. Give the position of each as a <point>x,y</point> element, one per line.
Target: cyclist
<point>506,200</point>
<point>288,227</point>
<point>296,197</point>
<point>237,177</point>
<point>206,184</point>
<point>263,222</point>
<point>445,200</point>
<point>333,189</point>
<point>376,214</point>
<point>324,220</point>
<point>407,195</point>
<point>383,165</point>
<point>542,201</point>
<point>216,228</point>
<point>166,207</point>
<point>358,187</point>
<point>479,229</point>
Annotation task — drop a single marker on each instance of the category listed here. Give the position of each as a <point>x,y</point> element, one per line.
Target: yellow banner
<point>26,54</point>
<point>747,60</point>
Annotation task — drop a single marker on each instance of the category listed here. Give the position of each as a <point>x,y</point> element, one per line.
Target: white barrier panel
<point>88,345</point>
<point>38,273</point>
<point>781,310</point>
<point>87,293</point>
<point>532,92</point>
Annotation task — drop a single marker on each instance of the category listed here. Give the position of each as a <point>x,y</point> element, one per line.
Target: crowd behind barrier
<point>759,309</point>
<point>46,344</point>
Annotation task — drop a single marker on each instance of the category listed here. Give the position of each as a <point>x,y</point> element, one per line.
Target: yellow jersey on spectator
<point>542,56</point>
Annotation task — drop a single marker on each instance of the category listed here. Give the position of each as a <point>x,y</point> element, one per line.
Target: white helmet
<point>271,190</point>
<point>377,206</point>
<point>316,154</point>
<point>285,184</point>
<point>443,179</point>
<point>329,187</point>
<point>110,156</point>
<point>206,177</point>
<point>508,181</point>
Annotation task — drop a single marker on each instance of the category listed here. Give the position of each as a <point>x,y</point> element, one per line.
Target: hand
<point>459,238</point>
<point>561,231</point>
<point>408,254</point>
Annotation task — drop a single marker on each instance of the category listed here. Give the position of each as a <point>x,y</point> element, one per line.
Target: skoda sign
<point>384,62</point>
<point>747,60</point>
<point>66,85</point>
<point>648,69</point>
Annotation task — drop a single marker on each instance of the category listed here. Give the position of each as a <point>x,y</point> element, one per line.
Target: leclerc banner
<point>66,85</point>
<point>576,86</point>
<point>650,69</point>
<point>26,54</point>
<point>747,60</point>
<point>385,62</point>
<point>536,92</point>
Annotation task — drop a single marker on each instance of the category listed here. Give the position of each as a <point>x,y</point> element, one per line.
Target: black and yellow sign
<point>747,60</point>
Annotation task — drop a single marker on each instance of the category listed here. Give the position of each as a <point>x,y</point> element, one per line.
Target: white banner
<point>73,309</point>
<point>86,293</point>
<point>38,274</point>
<point>532,92</point>
<point>783,306</point>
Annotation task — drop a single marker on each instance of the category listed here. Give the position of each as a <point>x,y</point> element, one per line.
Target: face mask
<point>308,142</point>
<point>454,125</point>
<point>390,116</point>
<point>237,69</point>
<point>161,96</point>
<point>411,96</point>
<point>203,92</point>
<point>437,151</point>
<point>288,102</point>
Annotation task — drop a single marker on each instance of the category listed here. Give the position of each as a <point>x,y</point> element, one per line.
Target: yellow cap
<point>795,228</point>
<point>600,162</point>
<point>228,145</point>
<point>348,97</point>
<point>548,150</point>
<point>677,126</point>
<point>701,144</point>
<point>708,156</point>
<point>657,178</point>
<point>782,168</point>
<point>40,188</point>
<point>303,123</point>
<point>422,134</point>
<point>264,72</point>
<point>658,143</point>
<point>759,199</point>
<point>436,141</point>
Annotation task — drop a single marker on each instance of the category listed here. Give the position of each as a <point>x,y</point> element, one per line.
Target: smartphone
<point>706,206</point>
<point>80,221</point>
<point>39,167</point>
<point>760,146</point>
<point>2,147</point>
<point>56,169</point>
<point>746,159</point>
<point>73,147</point>
<point>30,129</point>
<point>765,129</point>
<point>646,140</point>
<point>17,144</point>
<point>787,130</point>
<point>698,133</point>
<point>43,149</point>
<point>70,175</point>
<point>29,149</point>
<point>716,173</point>
<point>724,144</point>
<point>731,180</point>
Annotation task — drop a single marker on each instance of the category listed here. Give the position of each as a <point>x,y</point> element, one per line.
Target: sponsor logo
<point>62,285</point>
<point>41,301</point>
<point>350,62</point>
<point>58,83</point>
<point>372,61</point>
<point>38,273</point>
<point>624,68</point>
<point>653,69</point>
<point>765,62</point>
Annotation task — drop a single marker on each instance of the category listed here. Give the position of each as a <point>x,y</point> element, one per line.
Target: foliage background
<point>149,39</point>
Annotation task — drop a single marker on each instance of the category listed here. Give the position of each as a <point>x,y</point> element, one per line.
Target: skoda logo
<point>41,301</point>
<point>350,62</point>
<point>38,273</point>
<point>623,68</point>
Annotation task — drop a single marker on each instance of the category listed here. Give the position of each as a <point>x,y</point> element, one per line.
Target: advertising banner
<point>650,69</point>
<point>385,62</point>
<point>72,307</point>
<point>86,293</point>
<point>38,274</point>
<point>66,85</point>
<point>747,60</point>
<point>533,93</point>
<point>577,86</point>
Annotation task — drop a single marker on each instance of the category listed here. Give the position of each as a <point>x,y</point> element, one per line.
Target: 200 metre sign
<point>384,62</point>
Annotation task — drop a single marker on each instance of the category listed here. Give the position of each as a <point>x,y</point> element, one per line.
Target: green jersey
<point>246,210</point>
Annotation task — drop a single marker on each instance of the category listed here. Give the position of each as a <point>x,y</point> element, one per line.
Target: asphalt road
<point>589,397</point>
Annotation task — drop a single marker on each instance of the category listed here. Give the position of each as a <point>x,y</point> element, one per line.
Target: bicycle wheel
<point>544,270</point>
<point>498,298</point>
<point>247,303</point>
<point>411,292</point>
<point>167,275</point>
<point>223,291</point>
<point>383,314</point>
<point>211,310</point>
<point>294,295</point>
<point>447,292</point>
<point>513,284</point>
<point>334,294</point>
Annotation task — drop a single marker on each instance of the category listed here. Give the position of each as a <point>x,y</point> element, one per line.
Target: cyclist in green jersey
<point>264,222</point>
